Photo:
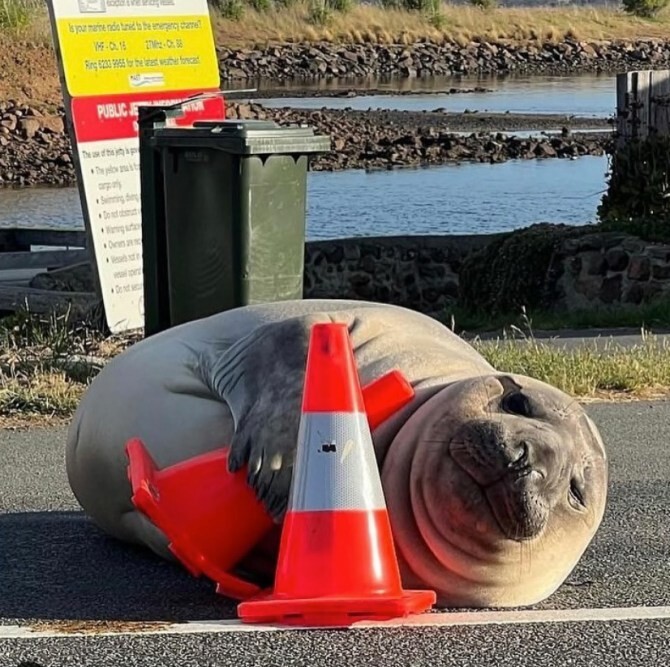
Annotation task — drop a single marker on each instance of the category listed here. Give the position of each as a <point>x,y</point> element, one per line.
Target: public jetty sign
<point>113,56</point>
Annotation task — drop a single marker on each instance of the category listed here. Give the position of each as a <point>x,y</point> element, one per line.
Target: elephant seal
<point>495,483</point>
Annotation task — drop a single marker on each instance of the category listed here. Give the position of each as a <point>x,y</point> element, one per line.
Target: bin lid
<point>244,137</point>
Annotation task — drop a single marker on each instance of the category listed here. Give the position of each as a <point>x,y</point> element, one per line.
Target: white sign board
<point>116,55</point>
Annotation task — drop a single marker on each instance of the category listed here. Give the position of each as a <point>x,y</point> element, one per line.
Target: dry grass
<point>461,24</point>
<point>46,364</point>
<point>28,20</point>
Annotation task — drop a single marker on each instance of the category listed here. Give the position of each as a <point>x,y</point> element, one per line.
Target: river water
<point>463,199</point>
<point>466,199</point>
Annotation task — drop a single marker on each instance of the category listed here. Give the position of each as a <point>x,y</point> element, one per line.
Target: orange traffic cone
<point>337,561</point>
<point>211,517</point>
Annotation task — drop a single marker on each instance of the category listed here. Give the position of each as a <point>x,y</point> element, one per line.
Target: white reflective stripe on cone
<point>335,464</point>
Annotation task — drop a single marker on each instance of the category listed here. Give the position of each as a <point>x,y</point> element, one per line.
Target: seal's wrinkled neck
<point>384,435</point>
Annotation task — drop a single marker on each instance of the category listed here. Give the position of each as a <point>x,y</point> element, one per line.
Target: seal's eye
<point>517,404</point>
<point>576,494</point>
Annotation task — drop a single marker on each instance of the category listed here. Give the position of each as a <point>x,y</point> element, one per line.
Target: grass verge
<point>594,371</point>
<point>655,314</point>
<point>46,364</point>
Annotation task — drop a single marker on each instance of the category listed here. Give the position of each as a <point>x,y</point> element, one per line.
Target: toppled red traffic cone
<point>210,516</point>
<point>337,562</point>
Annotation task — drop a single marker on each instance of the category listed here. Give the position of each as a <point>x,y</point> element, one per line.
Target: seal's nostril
<point>576,493</point>
<point>516,403</point>
<point>521,458</point>
<point>524,450</point>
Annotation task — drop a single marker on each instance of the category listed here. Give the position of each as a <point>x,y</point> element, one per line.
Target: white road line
<point>446,619</point>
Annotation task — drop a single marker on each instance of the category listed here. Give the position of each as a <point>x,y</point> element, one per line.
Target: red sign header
<point>115,116</point>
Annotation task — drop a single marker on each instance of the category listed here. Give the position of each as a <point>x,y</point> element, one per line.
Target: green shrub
<point>229,9</point>
<point>484,4</point>
<point>638,185</point>
<point>428,6</point>
<point>340,5</point>
<point>260,5</point>
<point>654,230</point>
<point>16,14</point>
<point>431,8</point>
<point>644,8</point>
<point>438,20</point>
<point>515,271</point>
<point>319,12</point>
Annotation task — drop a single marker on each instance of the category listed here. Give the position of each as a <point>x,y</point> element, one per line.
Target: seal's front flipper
<point>261,378</point>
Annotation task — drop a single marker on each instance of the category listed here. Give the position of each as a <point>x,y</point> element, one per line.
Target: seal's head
<point>499,484</point>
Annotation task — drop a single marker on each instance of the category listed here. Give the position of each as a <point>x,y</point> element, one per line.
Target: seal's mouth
<point>519,512</point>
<point>511,492</point>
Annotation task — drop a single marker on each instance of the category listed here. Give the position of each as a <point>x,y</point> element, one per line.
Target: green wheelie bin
<point>223,216</point>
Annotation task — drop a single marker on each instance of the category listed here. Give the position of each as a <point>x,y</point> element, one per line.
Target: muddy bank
<point>388,139</point>
<point>353,91</point>
<point>327,61</point>
<point>449,121</point>
<point>36,150</point>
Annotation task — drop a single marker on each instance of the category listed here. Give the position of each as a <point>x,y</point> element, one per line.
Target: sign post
<point>113,57</point>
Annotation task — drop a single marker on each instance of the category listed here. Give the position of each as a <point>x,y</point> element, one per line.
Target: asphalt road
<point>55,565</point>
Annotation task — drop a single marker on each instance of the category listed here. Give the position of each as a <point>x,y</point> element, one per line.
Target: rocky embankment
<point>36,151</point>
<point>585,268</point>
<point>326,60</point>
